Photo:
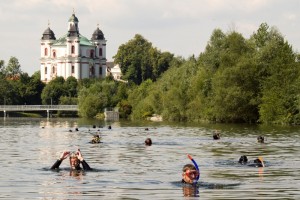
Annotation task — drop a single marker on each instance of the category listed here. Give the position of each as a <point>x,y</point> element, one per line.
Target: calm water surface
<point>125,169</point>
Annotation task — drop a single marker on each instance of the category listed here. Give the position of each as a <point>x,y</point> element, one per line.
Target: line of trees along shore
<point>235,80</point>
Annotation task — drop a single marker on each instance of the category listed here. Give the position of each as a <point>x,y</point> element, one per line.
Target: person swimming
<point>189,174</point>
<point>76,159</point>
<point>148,142</point>
<point>260,139</point>
<point>96,139</point>
<point>243,160</point>
<point>216,135</point>
<point>256,163</point>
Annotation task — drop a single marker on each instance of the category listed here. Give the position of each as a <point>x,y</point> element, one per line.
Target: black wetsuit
<point>84,165</point>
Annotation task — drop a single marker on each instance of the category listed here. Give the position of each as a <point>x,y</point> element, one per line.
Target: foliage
<point>234,80</point>
<point>97,97</point>
<point>140,61</point>
<point>13,67</point>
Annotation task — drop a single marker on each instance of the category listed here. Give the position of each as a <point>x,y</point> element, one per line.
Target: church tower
<point>73,54</point>
<point>47,40</point>
<point>99,41</point>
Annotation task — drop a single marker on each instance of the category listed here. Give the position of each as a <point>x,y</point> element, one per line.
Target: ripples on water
<point>126,169</point>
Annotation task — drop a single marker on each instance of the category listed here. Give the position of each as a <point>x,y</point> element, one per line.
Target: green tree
<point>2,67</point>
<point>279,75</point>
<point>140,61</point>
<point>13,67</point>
<point>53,91</point>
<point>71,86</point>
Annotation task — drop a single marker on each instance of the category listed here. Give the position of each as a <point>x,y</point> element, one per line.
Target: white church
<point>73,54</point>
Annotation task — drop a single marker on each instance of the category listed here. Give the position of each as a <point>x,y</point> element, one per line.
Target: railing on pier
<point>38,107</point>
<point>48,108</point>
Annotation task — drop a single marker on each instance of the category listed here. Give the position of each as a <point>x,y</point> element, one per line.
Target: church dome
<point>98,35</point>
<point>48,35</point>
<point>73,18</point>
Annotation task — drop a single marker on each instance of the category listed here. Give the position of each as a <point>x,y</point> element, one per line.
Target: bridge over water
<point>109,113</point>
<point>47,108</point>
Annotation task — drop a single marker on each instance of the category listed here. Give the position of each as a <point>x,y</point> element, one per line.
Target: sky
<point>181,27</point>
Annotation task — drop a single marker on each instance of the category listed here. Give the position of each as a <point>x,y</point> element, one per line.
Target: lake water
<point>124,168</point>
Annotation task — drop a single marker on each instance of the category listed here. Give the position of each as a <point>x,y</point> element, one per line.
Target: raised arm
<point>82,161</point>
<point>63,156</point>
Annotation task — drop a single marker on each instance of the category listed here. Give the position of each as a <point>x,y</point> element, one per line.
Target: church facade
<point>73,54</point>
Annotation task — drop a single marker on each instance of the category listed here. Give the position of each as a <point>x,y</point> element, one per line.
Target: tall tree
<point>13,67</point>
<point>140,61</point>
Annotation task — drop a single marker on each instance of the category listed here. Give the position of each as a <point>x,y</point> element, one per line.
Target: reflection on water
<point>124,168</point>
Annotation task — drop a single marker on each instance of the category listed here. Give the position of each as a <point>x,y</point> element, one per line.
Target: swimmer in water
<point>189,174</point>
<point>256,163</point>
<point>148,142</point>
<point>243,160</point>
<point>260,139</point>
<point>189,181</point>
<point>75,160</point>
<point>216,135</point>
<point>96,139</point>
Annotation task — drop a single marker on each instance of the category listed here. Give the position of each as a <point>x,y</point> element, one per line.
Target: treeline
<point>239,80</point>
<point>235,79</point>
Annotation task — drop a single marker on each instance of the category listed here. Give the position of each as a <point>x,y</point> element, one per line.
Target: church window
<point>53,70</point>
<point>73,69</point>
<point>45,70</point>
<point>46,52</point>
<point>92,54</point>
<point>73,49</point>
<point>54,54</point>
<point>100,52</point>
<point>100,70</point>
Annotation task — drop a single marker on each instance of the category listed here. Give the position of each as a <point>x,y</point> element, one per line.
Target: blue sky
<point>182,27</point>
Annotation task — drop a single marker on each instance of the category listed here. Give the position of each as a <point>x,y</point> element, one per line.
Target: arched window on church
<point>100,52</point>
<point>46,52</point>
<point>100,70</point>
<point>54,54</point>
<point>73,69</point>
<point>92,54</point>
<point>73,49</point>
<point>53,70</point>
<point>45,70</point>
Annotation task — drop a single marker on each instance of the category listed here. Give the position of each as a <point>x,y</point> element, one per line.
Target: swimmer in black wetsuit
<point>75,160</point>
<point>256,163</point>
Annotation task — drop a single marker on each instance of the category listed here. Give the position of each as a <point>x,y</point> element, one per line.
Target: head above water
<point>216,135</point>
<point>148,142</point>
<point>259,162</point>
<point>243,159</point>
<point>189,173</point>
<point>74,161</point>
<point>260,139</point>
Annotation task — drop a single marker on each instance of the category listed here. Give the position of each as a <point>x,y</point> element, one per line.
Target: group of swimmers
<point>76,157</point>
<point>191,172</point>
